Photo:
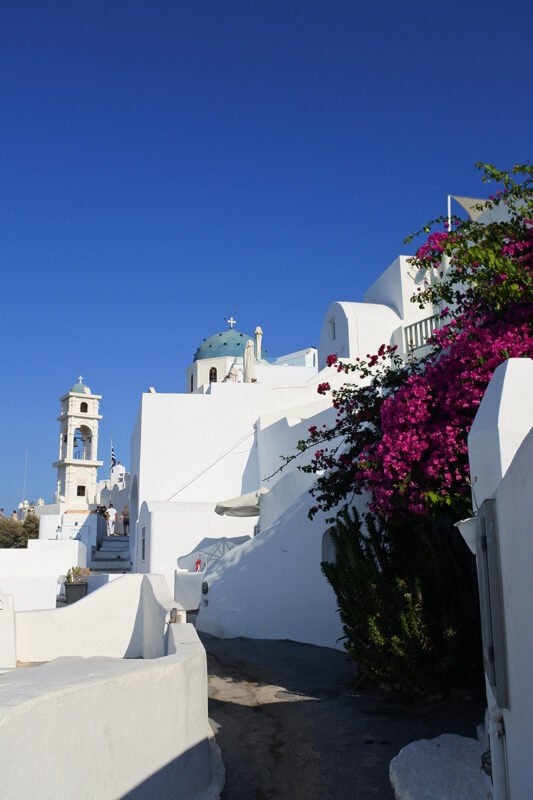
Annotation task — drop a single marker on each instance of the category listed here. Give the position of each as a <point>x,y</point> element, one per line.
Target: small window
<point>84,408</point>
<point>213,375</point>
<point>329,551</point>
<point>143,544</point>
<point>192,383</point>
<point>81,491</point>
<point>332,331</point>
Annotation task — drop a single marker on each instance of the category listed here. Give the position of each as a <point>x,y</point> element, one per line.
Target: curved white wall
<point>351,330</point>
<point>272,586</point>
<point>109,728</point>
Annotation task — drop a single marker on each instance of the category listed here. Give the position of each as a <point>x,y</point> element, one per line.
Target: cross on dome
<point>231,322</point>
<point>80,378</point>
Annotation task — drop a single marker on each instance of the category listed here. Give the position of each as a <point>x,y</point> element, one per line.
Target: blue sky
<point>168,164</point>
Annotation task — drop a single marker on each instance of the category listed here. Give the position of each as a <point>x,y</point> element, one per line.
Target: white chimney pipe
<point>258,337</point>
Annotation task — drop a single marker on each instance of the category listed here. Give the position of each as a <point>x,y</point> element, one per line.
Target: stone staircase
<point>113,555</point>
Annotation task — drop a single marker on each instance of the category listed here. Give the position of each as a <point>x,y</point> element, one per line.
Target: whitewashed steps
<point>113,555</point>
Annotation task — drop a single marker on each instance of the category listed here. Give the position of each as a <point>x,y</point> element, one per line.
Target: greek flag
<point>113,459</point>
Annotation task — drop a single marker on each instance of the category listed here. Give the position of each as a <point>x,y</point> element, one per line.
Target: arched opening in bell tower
<point>83,443</point>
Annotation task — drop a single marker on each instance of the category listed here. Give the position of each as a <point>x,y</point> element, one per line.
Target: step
<point>106,569</point>
<point>116,538</point>
<point>110,566</point>
<point>112,546</point>
<point>99,556</point>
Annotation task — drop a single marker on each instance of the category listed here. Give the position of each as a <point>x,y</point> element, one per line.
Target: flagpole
<point>25,474</point>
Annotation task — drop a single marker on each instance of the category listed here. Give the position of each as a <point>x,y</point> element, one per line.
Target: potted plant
<point>75,585</point>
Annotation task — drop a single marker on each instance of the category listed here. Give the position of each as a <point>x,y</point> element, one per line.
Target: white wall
<point>272,586</point>
<point>396,286</point>
<point>106,622</point>
<point>360,329</point>
<point>174,530</point>
<point>31,574</point>
<point>514,504</point>
<point>107,728</point>
<point>8,652</point>
<point>501,465</point>
<point>503,419</point>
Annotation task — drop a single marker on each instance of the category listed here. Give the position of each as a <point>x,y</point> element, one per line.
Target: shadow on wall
<point>192,763</point>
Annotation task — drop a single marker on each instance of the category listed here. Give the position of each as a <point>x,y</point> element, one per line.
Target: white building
<point>224,438</point>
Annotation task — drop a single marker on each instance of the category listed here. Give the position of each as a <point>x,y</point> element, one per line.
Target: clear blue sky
<point>165,164</point>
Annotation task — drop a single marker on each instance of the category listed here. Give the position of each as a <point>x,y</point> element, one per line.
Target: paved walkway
<point>290,725</point>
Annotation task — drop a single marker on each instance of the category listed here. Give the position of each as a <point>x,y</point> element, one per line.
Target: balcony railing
<point>416,335</point>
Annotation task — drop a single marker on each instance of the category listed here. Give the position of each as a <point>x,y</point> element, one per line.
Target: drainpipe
<point>258,337</point>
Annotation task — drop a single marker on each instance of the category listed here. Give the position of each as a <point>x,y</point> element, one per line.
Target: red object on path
<point>198,565</point>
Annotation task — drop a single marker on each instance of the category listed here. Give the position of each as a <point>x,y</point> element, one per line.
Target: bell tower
<point>78,447</point>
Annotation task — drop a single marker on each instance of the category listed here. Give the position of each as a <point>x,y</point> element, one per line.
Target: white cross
<point>232,322</point>
<point>80,378</point>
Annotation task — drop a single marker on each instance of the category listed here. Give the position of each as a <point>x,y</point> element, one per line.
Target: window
<point>143,544</point>
<point>192,383</point>
<point>332,329</point>
<point>80,491</point>
<point>84,408</point>
<point>213,375</point>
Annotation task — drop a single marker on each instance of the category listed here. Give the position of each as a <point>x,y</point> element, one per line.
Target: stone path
<point>290,725</point>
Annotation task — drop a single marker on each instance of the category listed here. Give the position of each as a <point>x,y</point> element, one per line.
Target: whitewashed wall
<point>108,728</point>
<point>501,465</point>
<point>174,529</point>
<point>31,574</point>
<point>272,586</point>
<point>351,330</point>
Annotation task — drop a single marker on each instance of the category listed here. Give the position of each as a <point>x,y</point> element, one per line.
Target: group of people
<point>14,515</point>
<point>111,516</point>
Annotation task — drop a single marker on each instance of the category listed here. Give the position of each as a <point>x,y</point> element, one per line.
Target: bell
<point>75,442</point>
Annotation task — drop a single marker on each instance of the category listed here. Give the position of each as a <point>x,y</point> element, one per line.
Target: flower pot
<point>75,591</point>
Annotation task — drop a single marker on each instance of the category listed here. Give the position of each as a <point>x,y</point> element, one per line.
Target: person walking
<point>125,517</point>
<point>111,519</point>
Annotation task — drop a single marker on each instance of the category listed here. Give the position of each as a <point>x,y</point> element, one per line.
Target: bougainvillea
<point>402,426</point>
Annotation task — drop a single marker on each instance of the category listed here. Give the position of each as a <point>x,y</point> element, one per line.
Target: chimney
<point>258,337</point>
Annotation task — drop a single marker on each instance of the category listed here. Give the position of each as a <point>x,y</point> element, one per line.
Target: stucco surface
<point>503,419</point>
<point>272,587</point>
<point>109,728</point>
<point>445,768</point>
<point>514,508</point>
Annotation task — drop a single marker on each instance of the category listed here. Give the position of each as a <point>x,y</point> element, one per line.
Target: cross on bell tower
<point>78,447</point>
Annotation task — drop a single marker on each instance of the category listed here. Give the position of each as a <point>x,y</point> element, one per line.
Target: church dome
<point>229,343</point>
<point>80,388</point>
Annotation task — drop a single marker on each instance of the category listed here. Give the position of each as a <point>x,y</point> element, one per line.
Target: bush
<point>16,534</point>
<point>407,597</point>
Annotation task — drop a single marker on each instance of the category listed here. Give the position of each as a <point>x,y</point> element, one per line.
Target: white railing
<point>417,334</point>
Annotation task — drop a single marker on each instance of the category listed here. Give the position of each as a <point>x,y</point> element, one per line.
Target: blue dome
<point>229,343</point>
<point>80,388</point>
